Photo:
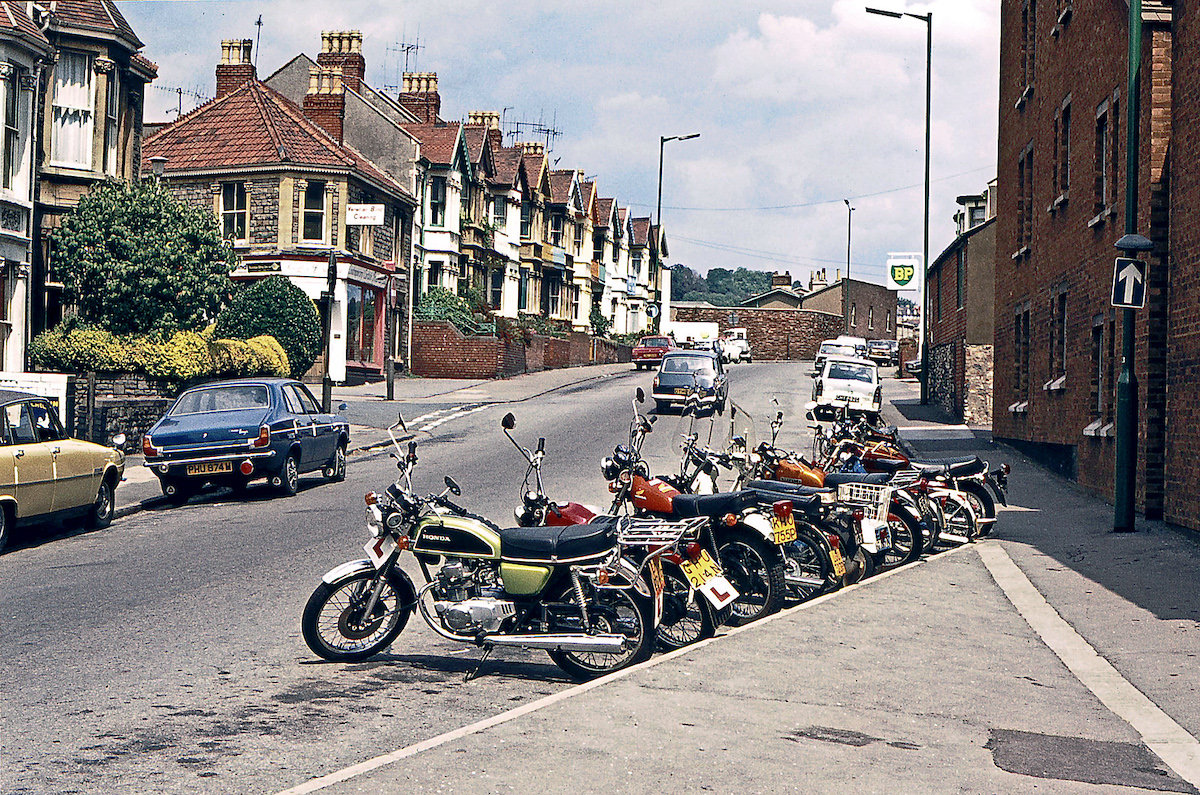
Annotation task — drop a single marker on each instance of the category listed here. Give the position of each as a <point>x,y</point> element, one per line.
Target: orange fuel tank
<point>795,472</point>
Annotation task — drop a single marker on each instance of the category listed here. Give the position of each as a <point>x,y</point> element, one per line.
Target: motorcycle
<point>696,595</point>
<point>568,591</point>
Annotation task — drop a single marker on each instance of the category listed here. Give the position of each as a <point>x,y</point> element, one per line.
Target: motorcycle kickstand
<point>487,651</point>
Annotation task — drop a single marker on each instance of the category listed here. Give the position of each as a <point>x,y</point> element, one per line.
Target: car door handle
<point>55,450</point>
<point>18,454</point>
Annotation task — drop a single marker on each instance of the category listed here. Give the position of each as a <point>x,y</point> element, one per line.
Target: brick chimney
<point>420,96</point>
<point>532,148</point>
<point>783,280</point>
<point>325,102</point>
<point>490,121</point>
<point>235,68</point>
<point>342,49</point>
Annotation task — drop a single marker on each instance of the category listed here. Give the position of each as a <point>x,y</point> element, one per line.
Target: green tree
<point>134,260</point>
<point>275,306</point>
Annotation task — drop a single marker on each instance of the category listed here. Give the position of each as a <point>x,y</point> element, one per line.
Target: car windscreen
<point>223,398</point>
<point>838,350</point>
<point>656,342</point>
<point>850,372</point>
<point>687,364</point>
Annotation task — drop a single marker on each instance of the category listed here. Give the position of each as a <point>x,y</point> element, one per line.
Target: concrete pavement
<point>1054,656</point>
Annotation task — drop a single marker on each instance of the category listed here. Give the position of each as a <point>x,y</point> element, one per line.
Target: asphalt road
<point>163,654</point>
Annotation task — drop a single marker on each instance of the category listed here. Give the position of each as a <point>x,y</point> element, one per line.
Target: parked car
<point>849,382</point>
<point>681,370</point>
<point>739,349</point>
<point>885,353</point>
<point>833,348</point>
<point>649,351</point>
<point>231,433</point>
<point>46,474</point>
<point>913,367</point>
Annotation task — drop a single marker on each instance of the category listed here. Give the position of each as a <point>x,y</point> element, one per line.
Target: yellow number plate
<point>839,566</point>
<point>656,576</point>
<point>211,468</point>
<point>701,570</point>
<point>785,529</point>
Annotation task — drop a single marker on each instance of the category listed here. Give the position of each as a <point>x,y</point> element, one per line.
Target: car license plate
<point>210,468</point>
<point>785,529</point>
<point>681,391</point>
<point>839,565</point>
<point>380,549</point>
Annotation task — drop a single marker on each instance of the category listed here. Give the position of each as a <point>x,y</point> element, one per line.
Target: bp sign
<point>904,272</point>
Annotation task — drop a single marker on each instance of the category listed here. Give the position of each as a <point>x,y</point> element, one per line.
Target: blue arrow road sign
<point>1129,284</point>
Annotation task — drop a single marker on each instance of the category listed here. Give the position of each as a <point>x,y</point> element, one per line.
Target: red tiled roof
<point>508,165</point>
<point>604,209</point>
<point>15,18</point>
<point>534,166</point>
<point>140,60</point>
<point>560,186</point>
<point>639,231</point>
<point>437,141</point>
<point>587,193</point>
<point>95,14</point>
<point>476,138</point>
<point>254,126</point>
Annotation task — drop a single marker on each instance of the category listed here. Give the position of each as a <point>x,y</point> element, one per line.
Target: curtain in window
<point>72,137</point>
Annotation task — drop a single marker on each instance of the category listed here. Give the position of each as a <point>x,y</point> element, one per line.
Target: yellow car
<point>45,474</point>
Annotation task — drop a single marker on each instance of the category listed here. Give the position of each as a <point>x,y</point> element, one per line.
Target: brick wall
<point>104,405</point>
<point>1056,239</point>
<point>440,351</point>
<point>773,333</point>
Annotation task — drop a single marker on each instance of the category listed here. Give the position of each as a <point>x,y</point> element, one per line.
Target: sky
<point>799,105</point>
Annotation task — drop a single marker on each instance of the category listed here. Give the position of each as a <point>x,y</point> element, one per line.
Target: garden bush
<point>276,307</point>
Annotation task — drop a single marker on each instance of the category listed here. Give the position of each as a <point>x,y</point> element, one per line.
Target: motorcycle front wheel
<point>960,520</point>
<point>611,611</point>
<point>908,541</point>
<point>982,502</point>
<point>806,567</point>
<point>335,624</point>
<point>757,572</point>
<point>687,616</point>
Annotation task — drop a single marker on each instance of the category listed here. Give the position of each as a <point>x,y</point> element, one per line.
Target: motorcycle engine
<point>464,605</point>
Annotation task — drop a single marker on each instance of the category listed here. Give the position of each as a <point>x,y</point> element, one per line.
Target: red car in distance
<point>650,350</point>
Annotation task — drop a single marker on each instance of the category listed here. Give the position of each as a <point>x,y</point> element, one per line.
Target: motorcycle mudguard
<point>761,525</point>
<point>397,578</point>
<point>1000,494</point>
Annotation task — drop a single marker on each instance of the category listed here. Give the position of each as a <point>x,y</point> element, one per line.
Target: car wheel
<point>5,527</point>
<point>104,508</point>
<point>336,471</point>
<point>289,476</point>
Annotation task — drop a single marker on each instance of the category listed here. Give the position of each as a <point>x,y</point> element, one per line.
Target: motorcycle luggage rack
<point>656,532</point>
<point>868,495</point>
<point>904,478</point>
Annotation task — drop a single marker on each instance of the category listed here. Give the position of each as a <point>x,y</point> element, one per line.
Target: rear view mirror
<point>118,441</point>
<point>641,396</point>
<point>450,484</point>
<point>509,422</point>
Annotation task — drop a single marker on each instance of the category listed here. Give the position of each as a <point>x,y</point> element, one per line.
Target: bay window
<point>111,119</point>
<point>74,100</point>
<point>234,211</point>
<point>12,133</point>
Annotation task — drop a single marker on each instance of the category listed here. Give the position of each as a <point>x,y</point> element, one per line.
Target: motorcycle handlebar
<point>541,448</point>
<point>451,505</point>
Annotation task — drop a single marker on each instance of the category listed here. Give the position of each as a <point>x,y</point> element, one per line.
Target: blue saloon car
<point>230,433</point>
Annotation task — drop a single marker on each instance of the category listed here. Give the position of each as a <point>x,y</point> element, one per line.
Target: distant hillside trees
<point>720,287</point>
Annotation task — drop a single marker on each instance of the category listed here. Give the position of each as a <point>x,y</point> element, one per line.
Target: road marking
<point>345,774</point>
<point>1162,735</point>
<point>459,411</point>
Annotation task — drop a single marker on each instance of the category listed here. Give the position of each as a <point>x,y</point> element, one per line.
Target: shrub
<point>276,307</point>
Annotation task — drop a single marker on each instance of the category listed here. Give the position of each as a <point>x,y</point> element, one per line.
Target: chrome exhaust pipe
<point>610,644</point>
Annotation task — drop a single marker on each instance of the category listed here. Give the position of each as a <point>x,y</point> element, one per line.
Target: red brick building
<point>1061,168</point>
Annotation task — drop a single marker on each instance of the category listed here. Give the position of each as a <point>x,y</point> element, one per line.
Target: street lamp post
<point>928,20</point>
<point>657,262</point>
<point>846,285</point>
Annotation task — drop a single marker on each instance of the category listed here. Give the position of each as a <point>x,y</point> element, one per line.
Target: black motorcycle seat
<point>956,467</point>
<point>876,478</point>
<point>889,465</point>
<point>687,506</point>
<point>805,499</point>
<point>554,544</point>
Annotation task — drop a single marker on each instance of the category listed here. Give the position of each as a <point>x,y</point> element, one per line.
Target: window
<point>574,302</point>
<point>1058,334</point>
<point>523,291</point>
<point>1028,45</point>
<point>233,211</point>
<point>578,238</point>
<point>19,424</point>
<point>361,310</point>
<point>871,317</point>
<point>437,201</point>
<point>496,288</point>
<point>418,273</point>
<point>526,220</point>
<point>554,293</point>
<point>637,265</point>
<point>1100,164</point>
<point>977,216</point>
<point>12,132</point>
<point>71,141</point>
<point>314,212</point>
<point>1021,353</point>
<point>500,213</point>
<point>435,274</point>
<point>112,108</point>
<point>961,266</point>
<point>598,246</point>
<point>1061,174</point>
<point>556,230</point>
<point>1024,200</point>
<point>853,314</point>
<point>1098,362</point>
<point>888,327</point>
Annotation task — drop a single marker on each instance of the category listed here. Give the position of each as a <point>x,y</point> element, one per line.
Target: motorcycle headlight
<point>610,469</point>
